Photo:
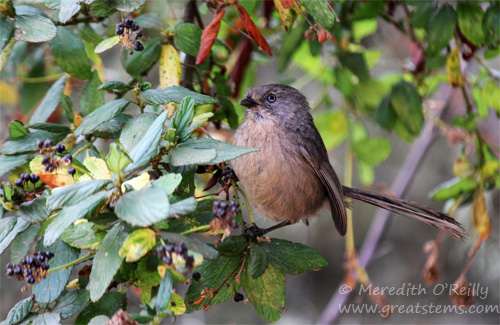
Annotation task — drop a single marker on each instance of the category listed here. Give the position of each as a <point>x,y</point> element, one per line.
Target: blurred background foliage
<point>375,77</point>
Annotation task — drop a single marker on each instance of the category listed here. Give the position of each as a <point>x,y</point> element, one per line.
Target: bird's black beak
<point>248,102</point>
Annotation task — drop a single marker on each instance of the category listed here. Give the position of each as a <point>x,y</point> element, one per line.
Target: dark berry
<point>223,205</point>
<point>17,270</point>
<point>138,46</point>
<point>34,178</point>
<point>238,297</point>
<point>196,276</point>
<point>60,148</point>
<point>30,279</point>
<point>71,171</point>
<point>19,183</point>
<point>48,143</point>
<point>23,261</point>
<point>45,160</point>
<point>45,266</point>
<point>169,248</point>
<point>27,272</point>
<point>160,249</point>
<point>221,212</point>
<point>178,249</point>
<point>49,254</point>
<point>189,265</point>
<point>10,272</point>
<point>41,258</point>
<point>39,144</point>
<point>167,259</point>
<point>128,22</point>
<point>37,263</point>
<point>25,177</point>
<point>130,52</point>
<point>216,204</point>
<point>48,167</point>
<point>134,27</point>
<point>139,33</point>
<point>68,158</point>
<point>235,224</point>
<point>9,265</point>
<point>30,260</point>
<point>119,30</point>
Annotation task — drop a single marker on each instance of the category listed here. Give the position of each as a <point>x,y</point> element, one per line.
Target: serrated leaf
<point>440,29</point>
<point>125,5</point>
<point>49,102</point>
<point>185,156</point>
<point>16,129</point>
<point>7,238</point>
<point>293,258</point>
<point>22,243</point>
<point>35,210</point>
<point>266,293</point>
<point>259,261</point>
<point>92,98</point>
<point>149,20</point>
<point>108,305</point>
<point>452,189</point>
<point>6,225</point>
<point>74,193</point>
<point>49,289</point>
<point>99,9</point>
<point>68,9</point>
<point>47,319</point>
<point>83,236</point>
<point>20,311</point>
<point>71,302</point>
<point>138,244</point>
<point>164,293</point>
<point>135,129</point>
<point>115,85</point>
<point>70,55</point>
<point>107,261</point>
<point>70,213</point>
<point>470,18</point>
<point>406,102</point>
<point>107,44</point>
<point>141,61</point>
<point>174,94</point>
<point>144,207</point>
<point>9,162</point>
<point>28,142</point>
<point>117,159</point>
<point>148,145</point>
<point>187,38</point>
<point>34,27</point>
<point>101,115</point>
<point>184,207</point>
<point>168,182</point>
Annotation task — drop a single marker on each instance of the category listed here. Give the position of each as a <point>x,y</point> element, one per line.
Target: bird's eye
<point>271,98</point>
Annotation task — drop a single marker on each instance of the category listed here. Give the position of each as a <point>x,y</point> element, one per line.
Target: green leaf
<point>71,302</point>
<point>116,85</point>
<point>332,125</point>
<point>74,193</point>
<point>6,238</point>
<point>5,53</point>
<point>92,98</point>
<point>440,29</point>
<point>422,15</point>
<point>49,289</point>
<point>35,210</point>
<point>107,261</point>
<point>452,189</point>
<point>50,127</point>
<point>144,207</point>
<point>367,10</point>
<point>187,153</point>
<point>481,104</point>
<point>164,293</point>
<point>7,28</point>
<point>22,243</point>
<point>266,293</point>
<point>174,94</point>
<point>33,26</point>
<point>406,102</point>
<point>168,182</point>
<point>184,207</point>
<point>148,145</point>
<point>99,9</point>
<point>491,93</point>
<point>470,18</point>
<point>140,62</point>
<point>107,44</point>
<point>117,159</point>
<point>385,115</point>
<point>259,261</point>
<point>101,115</point>
<point>373,150</point>
<point>233,246</point>
<point>366,173</point>
<point>182,118</point>
<point>213,274</point>
<point>135,129</point>
<point>149,20</point>
<point>187,38</point>
<point>125,5</point>
<point>320,12</point>
<point>192,244</point>
<point>88,34</point>
<point>20,311</point>
<point>112,128</point>
<point>177,305</point>
<point>83,236</point>
<point>67,106</point>
<point>68,9</point>
<point>70,213</point>
<point>138,244</point>
<point>491,26</point>
<point>147,272</point>
<point>108,305</point>
<point>49,102</point>
<point>16,129</point>
<point>47,318</point>
<point>293,258</point>
<point>9,162</point>
<point>70,55</point>
<point>356,63</point>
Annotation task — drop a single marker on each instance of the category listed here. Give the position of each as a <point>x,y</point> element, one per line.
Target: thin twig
<point>336,17</point>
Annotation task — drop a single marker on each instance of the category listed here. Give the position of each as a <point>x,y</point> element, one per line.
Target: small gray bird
<point>290,178</point>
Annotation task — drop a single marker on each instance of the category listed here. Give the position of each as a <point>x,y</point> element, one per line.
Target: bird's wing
<point>333,187</point>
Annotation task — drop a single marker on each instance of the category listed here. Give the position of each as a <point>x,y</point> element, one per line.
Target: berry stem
<point>250,213</point>
<point>197,229</point>
<point>78,260</point>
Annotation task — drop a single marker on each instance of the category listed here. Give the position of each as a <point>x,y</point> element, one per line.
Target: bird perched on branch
<point>290,179</point>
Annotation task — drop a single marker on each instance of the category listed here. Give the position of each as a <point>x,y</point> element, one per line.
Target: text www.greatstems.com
<point>418,308</point>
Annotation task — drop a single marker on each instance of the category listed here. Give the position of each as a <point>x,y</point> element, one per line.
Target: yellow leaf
<point>78,119</point>
<point>170,71</point>
<point>97,168</point>
<point>57,178</point>
<point>177,305</point>
<point>287,16</point>
<point>138,244</point>
<point>479,214</point>
<point>8,94</point>
<point>72,284</point>
<point>137,182</point>
<point>453,69</point>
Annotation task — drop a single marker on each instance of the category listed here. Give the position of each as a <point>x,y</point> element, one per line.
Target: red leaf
<point>208,37</point>
<point>252,30</point>
<point>287,3</point>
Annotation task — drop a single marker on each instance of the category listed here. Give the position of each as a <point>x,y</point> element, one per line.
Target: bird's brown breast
<point>277,180</point>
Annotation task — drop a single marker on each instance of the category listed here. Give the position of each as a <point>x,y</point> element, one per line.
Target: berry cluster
<point>31,269</point>
<point>25,178</point>
<point>126,30</point>
<point>170,254</point>
<point>50,161</point>
<point>223,214</point>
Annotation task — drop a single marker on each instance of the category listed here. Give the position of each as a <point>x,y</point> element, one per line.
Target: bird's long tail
<point>407,209</point>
